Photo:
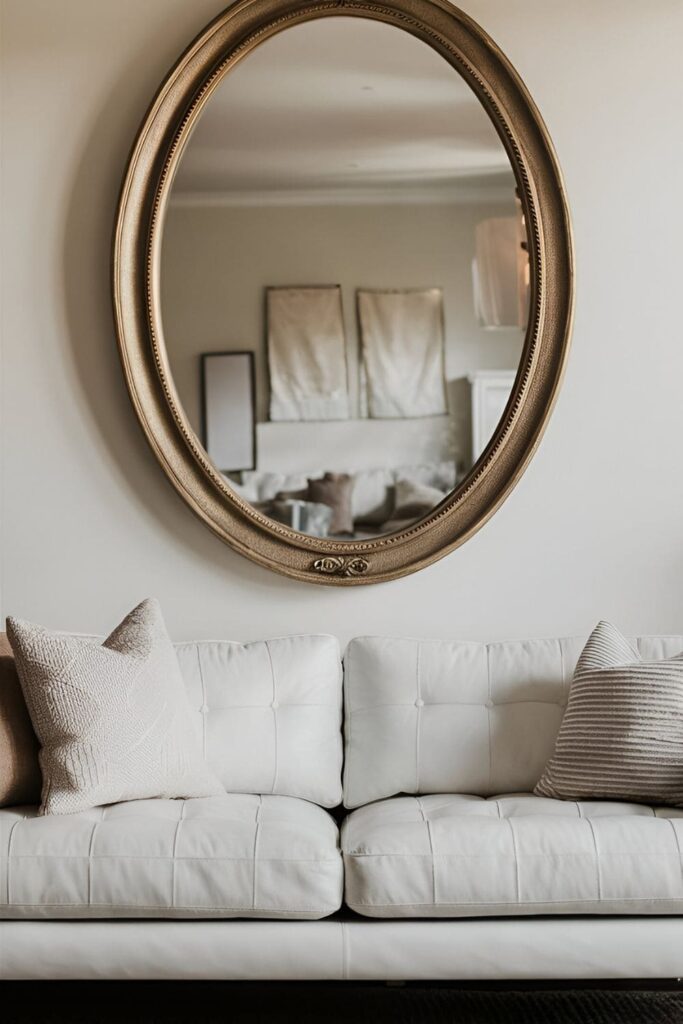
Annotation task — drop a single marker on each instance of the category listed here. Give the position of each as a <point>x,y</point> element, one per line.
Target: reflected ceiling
<point>287,120</point>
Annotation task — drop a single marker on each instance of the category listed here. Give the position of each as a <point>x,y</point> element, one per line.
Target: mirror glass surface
<point>344,278</point>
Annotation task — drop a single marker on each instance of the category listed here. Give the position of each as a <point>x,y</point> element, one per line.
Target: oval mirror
<point>342,280</point>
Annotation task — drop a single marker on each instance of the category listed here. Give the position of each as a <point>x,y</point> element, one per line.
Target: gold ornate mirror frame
<point>136,260</point>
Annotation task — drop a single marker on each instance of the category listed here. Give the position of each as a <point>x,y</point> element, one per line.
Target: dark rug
<point>215,1003</point>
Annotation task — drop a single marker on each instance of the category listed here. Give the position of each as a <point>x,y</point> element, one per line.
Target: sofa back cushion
<point>428,716</point>
<point>269,714</point>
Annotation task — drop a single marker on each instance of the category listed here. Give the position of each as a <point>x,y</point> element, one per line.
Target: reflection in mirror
<point>346,212</point>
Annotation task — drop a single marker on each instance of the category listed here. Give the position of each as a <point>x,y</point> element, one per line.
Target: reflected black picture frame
<point>211,414</point>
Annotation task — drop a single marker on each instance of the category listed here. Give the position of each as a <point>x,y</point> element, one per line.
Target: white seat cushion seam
<point>174,851</point>
<point>9,855</point>
<point>427,822</point>
<point>274,710</point>
<point>257,829</point>
<point>528,903</point>
<point>91,845</point>
<point>516,856</point>
<point>208,912</point>
<point>678,843</point>
<point>131,856</point>
<point>597,858</point>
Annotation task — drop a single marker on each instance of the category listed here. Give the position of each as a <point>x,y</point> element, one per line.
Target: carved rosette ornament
<point>334,565</point>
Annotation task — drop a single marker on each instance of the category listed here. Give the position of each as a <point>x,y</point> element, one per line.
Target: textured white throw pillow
<point>113,719</point>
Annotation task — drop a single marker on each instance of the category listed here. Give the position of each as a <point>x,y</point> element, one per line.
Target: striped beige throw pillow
<point>622,733</point>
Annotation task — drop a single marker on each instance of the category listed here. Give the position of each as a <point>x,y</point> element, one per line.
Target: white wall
<point>89,523</point>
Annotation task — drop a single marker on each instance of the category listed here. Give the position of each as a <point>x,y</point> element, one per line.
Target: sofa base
<point>528,949</point>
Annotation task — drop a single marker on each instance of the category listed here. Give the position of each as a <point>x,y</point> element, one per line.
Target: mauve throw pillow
<point>19,770</point>
<point>112,718</point>
<point>335,490</point>
<point>621,737</point>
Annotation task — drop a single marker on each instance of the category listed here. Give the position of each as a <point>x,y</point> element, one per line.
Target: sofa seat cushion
<point>466,856</point>
<point>223,856</point>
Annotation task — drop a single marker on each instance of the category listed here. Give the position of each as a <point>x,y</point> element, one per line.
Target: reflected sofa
<point>406,846</point>
<point>373,497</point>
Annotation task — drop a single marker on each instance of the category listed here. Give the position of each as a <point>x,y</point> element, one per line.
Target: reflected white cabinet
<point>490,390</point>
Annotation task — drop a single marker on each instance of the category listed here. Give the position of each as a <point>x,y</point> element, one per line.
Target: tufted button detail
<point>490,704</point>
<point>419,703</point>
<point>204,708</point>
<point>274,704</point>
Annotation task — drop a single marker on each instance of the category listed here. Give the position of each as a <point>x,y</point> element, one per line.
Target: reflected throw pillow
<point>415,499</point>
<point>621,737</point>
<point>335,490</point>
<point>112,718</point>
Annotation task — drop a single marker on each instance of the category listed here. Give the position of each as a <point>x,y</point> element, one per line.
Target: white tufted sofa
<point>472,876</point>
